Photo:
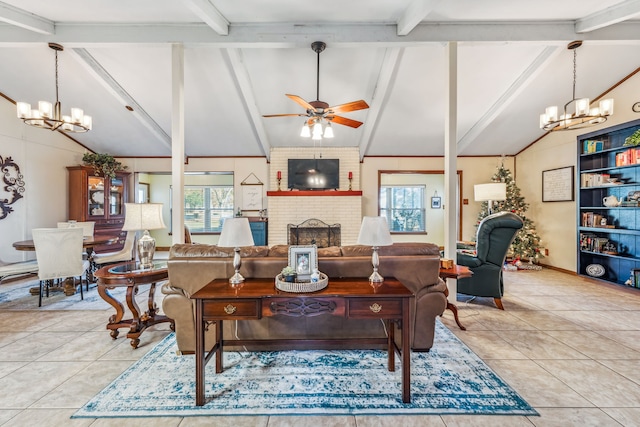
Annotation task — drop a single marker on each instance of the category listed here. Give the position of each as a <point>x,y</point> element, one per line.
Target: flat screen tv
<point>314,174</point>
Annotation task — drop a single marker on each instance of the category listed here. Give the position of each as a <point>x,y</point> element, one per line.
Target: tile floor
<point>569,346</point>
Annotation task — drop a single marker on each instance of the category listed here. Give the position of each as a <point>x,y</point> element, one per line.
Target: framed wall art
<point>558,185</point>
<point>252,189</point>
<point>436,202</point>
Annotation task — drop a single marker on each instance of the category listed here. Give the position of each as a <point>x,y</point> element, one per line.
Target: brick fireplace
<point>343,207</point>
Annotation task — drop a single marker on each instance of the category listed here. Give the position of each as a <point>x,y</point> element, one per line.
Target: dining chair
<point>58,251</point>
<point>20,268</point>
<point>87,226</point>
<point>123,255</point>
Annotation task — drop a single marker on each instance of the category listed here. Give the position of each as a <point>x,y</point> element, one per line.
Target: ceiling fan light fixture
<point>328,131</point>
<point>48,115</point>
<point>317,111</point>
<point>305,132</point>
<point>584,115</point>
<point>317,130</point>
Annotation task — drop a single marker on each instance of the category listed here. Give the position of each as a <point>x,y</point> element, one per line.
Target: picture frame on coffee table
<point>304,259</point>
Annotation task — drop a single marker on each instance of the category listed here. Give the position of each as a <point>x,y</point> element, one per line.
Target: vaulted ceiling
<point>242,57</point>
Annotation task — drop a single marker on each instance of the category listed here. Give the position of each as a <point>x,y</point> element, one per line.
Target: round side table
<point>131,275</point>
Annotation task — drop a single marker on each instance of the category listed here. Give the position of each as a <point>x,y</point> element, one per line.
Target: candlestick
<point>350,179</point>
<point>279,178</point>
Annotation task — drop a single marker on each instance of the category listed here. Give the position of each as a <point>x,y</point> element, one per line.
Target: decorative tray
<point>302,287</point>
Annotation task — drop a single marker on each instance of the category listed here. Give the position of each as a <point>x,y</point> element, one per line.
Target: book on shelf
<point>590,219</point>
<point>594,179</point>
<point>591,146</point>
<point>592,243</point>
<point>628,157</point>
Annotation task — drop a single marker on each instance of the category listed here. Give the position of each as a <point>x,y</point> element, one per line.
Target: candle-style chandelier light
<point>583,115</point>
<point>49,116</point>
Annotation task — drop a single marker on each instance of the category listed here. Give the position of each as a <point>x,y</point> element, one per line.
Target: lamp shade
<point>143,216</point>
<point>374,231</point>
<point>236,232</point>
<point>491,191</point>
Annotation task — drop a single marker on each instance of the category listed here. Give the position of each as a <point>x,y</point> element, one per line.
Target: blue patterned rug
<point>450,379</point>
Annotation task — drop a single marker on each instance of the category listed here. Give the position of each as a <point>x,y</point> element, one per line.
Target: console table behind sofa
<point>415,265</point>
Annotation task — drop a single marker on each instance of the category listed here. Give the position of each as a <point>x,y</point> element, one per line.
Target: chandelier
<point>313,128</point>
<point>583,115</point>
<point>49,116</point>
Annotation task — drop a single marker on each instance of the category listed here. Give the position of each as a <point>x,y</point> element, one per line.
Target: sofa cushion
<point>356,250</point>
<point>279,251</point>
<point>331,251</point>
<point>400,248</point>
<point>410,248</point>
<point>213,251</point>
<point>283,251</point>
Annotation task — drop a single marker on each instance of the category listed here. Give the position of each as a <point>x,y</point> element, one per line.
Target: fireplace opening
<point>314,232</point>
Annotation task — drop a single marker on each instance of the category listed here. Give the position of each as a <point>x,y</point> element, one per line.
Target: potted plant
<point>288,274</point>
<point>633,140</point>
<point>103,164</point>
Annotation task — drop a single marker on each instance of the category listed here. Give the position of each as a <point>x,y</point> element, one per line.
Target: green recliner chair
<point>494,236</point>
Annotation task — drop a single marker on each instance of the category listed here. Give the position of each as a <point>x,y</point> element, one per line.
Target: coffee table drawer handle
<point>230,309</point>
<point>375,307</point>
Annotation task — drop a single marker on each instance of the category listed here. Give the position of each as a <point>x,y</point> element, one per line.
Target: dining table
<point>88,243</point>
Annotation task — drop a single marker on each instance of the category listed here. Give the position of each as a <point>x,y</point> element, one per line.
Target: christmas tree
<point>526,244</point>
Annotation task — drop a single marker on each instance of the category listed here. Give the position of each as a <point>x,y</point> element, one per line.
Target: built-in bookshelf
<point>608,205</point>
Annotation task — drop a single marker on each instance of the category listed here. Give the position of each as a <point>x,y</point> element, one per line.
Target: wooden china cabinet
<point>99,199</point>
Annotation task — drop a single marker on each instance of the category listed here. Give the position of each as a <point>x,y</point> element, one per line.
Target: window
<point>206,205</point>
<point>403,206</point>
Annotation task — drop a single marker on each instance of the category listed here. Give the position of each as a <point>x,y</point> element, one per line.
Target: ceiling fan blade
<point>344,121</point>
<point>283,115</point>
<point>301,102</point>
<point>349,106</point>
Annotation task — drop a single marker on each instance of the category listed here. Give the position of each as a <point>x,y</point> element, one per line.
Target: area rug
<point>450,379</point>
<point>16,296</point>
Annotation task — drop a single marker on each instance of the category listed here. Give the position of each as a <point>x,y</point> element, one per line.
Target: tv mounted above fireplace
<point>314,174</point>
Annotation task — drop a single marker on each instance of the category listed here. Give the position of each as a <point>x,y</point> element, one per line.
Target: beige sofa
<point>416,265</point>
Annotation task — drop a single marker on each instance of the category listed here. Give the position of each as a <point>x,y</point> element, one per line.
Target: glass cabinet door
<point>96,196</point>
<point>115,198</point>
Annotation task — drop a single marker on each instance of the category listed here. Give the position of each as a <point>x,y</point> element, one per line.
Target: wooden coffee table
<point>131,275</point>
<point>257,298</point>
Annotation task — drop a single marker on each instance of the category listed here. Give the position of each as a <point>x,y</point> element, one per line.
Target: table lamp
<point>489,193</point>
<point>144,216</point>
<point>374,231</point>
<point>236,232</point>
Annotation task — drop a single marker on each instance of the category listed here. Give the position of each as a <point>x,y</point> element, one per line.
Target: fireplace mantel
<point>298,193</point>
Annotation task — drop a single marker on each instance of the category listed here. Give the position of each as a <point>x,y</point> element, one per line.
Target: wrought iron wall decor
<point>13,185</point>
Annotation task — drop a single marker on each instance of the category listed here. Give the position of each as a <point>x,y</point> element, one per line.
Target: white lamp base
<point>375,261</point>
<point>237,262</point>
<point>146,250</point>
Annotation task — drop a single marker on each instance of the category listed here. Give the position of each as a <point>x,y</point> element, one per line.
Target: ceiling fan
<point>318,110</point>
